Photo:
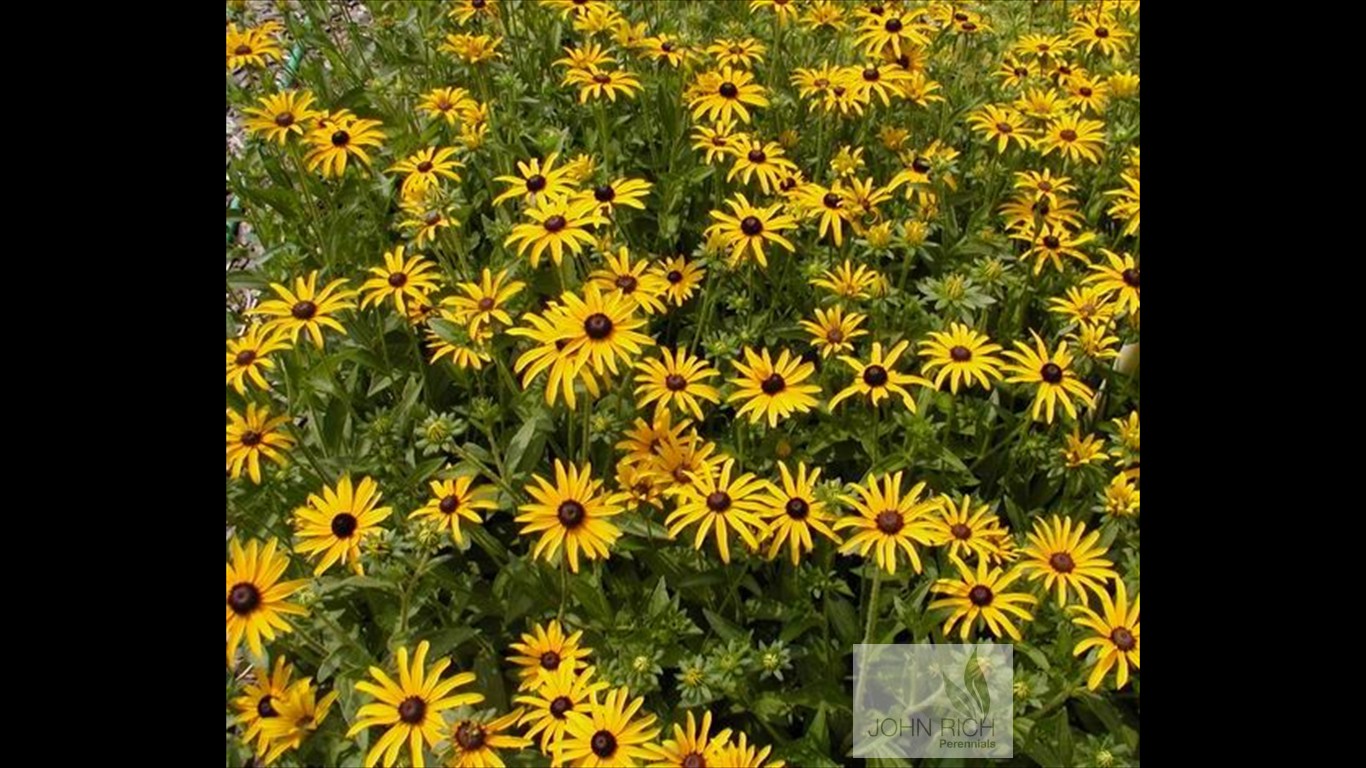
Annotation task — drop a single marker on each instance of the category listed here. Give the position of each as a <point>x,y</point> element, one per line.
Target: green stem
<point>872,607</point>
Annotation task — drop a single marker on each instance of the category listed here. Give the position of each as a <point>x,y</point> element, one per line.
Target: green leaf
<point>724,627</point>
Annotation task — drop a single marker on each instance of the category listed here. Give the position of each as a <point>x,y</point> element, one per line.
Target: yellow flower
<point>252,46</point>
<point>453,499</point>
<point>484,302</point>
<point>793,511</point>
<point>251,436</point>
<point>1121,497</point>
<point>737,53</point>
<point>1079,451</point>
<point>256,596</point>
<point>1119,277</point>
<point>749,228</point>
<point>306,308</point>
<point>773,389</point>
<point>426,168</point>
<point>472,48</point>
<point>572,512</point>
<point>611,736</point>
<point>299,713</point>
<point>281,114</point>
<point>677,380</point>
<point>850,282</point>
<point>832,331</point>
<point>694,746</point>
<point>537,181</point>
<point>715,499</point>
<point>889,520</point>
<point>597,83</point>
<point>967,529</point>
<point>1056,381</point>
<point>341,137</point>
<point>556,224</point>
<point>247,356</point>
<point>1116,635</point>
<point>982,595</point>
<point>560,695</point>
<point>333,525</point>
<point>1058,552</point>
<point>446,103</point>
<point>878,378</point>
<point>540,654</point>
<point>961,353</point>
<point>721,94</point>
<point>414,278</point>
<point>473,742</point>
<point>1073,138</point>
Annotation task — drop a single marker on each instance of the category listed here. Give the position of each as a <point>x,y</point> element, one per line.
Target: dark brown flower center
<point>284,119</point>
<point>604,194</point>
<point>1005,127</point>
<point>343,525</point>
<point>893,25</point>
<point>839,90</point>
<point>834,336</point>
<point>797,508</point>
<point>1051,243</point>
<point>674,276</point>
<point>960,354</point>
<point>1061,562</point>
<point>718,501</point>
<point>470,736</point>
<point>821,82</point>
<point>890,522</point>
<point>598,326</point>
<point>968,27</point>
<point>1085,92</point>
<point>570,513</point>
<point>961,532</point>
<point>559,706</point>
<point>675,383</point>
<point>1068,135</point>
<point>304,310</point>
<point>251,438</point>
<point>244,598</point>
<point>728,90</point>
<point>398,279</point>
<point>921,165</point>
<point>980,595</point>
<point>787,183</point>
<point>1102,32</point>
<point>424,166</point>
<point>875,376</point>
<point>602,78</point>
<point>627,283</point>
<point>550,660</point>
<point>1021,72</point>
<point>478,4</point>
<point>773,384</point>
<point>871,74</point>
<point>831,200</point>
<point>412,710</point>
<point>1045,186</point>
<point>554,223</point>
<point>245,357</point>
<point>1130,277</point>
<point>449,504</point>
<point>751,226</point>
<point>1123,639</point>
<point>264,708</point>
<point>693,760</point>
<point>433,219</point>
<point>666,46</point>
<point>757,156</point>
<point>604,744</point>
<point>444,106</point>
<point>960,16</point>
<point>535,183</point>
<point>1051,373</point>
<point>242,50</point>
<point>341,139</point>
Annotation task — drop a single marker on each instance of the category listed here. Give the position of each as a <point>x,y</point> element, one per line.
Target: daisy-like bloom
<point>877,379</point>
<point>472,49</point>
<point>600,330</point>
<point>247,357</point>
<point>817,202</point>
<point>888,520</point>
<point>537,181</point>
<point>1050,242</point>
<point>982,595</point>
<point>719,141</point>
<point>306,308</point>
<point>786,11</point>
<point>299,713</point>
<point>844,100</point>
<point>738,53</point>
<point>850,282</point>
<point>560,695</point>
<point>468,348</point>
<point>864,196</point>
<point>1079,452</point>
<point>692,747</point>
<point>1040,103</point>
<point>556,223</point>
<point>680,463</point>
<point>773,389</point>
<point>815,83</point>
<point>1094,341</point>
<point>332,526</point>
<point>256,598</point>
<point>1121,497</point>
<point>572,512</point>
<point>414,278</point>
<point>1086,93</point>
<point>564,368</point>
<point>715,499</point>
<point>251,46</point>
<point>484,302</point>
<point>253,435</point>
<point>1041,46</point>
<point>426,168</point>
<point>749,228</point>
<point>719,95</point>
<point>1083,304</point>
<point>848,161</point>
<point>883,81</point>
<point>596,83</point>
<point>425,215</point>
<point>575,8</point>
<point>465,10</point>
<point>453,499</point>
<point>600,18</point>
<point>611,736</point>
<point>1074,138</point>
<point>543,652</point>
<point>891,31</point>
<point>1100,32</point>
<point>642,485</point>
<point>793,511</point>
<point>742,754</point>
<point>258,700</point>
<point>622,277</point>
<point>824,14</point>
<point>1057,552</point>
<point>683,277</point>
<point>678,380</point>
<point>1123,84</point>
<point>1118,277</point>
<point>665,48</point>
<point>961,353</point>
<point>755,158</point>
<point>1116,636</point>
<point>1013,73</point>
<point>628,192</point>
<point>585,57</point>
<point>445,103</point>
<point>833,331</point>
<point>968,529</point>
<point>1056,380</point>
<point>410,709</point>
<point>474,743</point>
<point>1001,124</point>
<point>281,114</point>
<point>338,140</point>
<point>1125,207</point>
<point>1029,212</point>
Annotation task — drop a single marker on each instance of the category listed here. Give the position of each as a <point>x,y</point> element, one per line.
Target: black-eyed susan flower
<point>883,81</point>
<point>452,500</point>
<point>1063,554</point>
<point>572,512</point>
<point>574,8</point>
<point>256,597</point>
<point>814,83</point>
<point>1042,45</point>
<point>849,281</point>
<point>961,353</point>
<point>600,330</point>
<point>1125,207</point>
<point>1073,137</point>
<point>683,277</point>
<point>257,703</point>
<point>635,280</point>
<point>585,57</point>
<point>1056,381</point>
<point>725,93</point>
<point>251,47</point>
<point>1081,451</point>
<point>472,49</point>
<point>410,709</point>
<point>792,512</point>
<point>537,181</point>
<point>426,214</point>
<point>833,331</point>
<point>600,18</point>
<point>968,529</point>
<point>248,357</point>
<point>331,527</point>
<point>1013,73</point>
<point>556,224</point>
<point>484,302</point>
<point>878,378</point>
<point>1002,125</point>
<point>254,434</point>
<point>560,695</point>
<point>426,168</point>
<point>677,380</point>
<point>480,10</point>
<point>1118,277</point>
<point>623,191</point>
<point>1042,104</point>
<point>597,83</point>
<point>1095,341</point>
<point>544,650</point>
<point>742,754</point>
<point>716,500</point>
<point>982,595</point>
<point>740,52</point>
<point>549,354</point>
<point>1083,304</point>
<point>828,206</point>
<point>1050,242</point>
<point>719,141</point>
<point>307,308</point>
<point>888,520</point>
<point>611,736</point>
<point>445,103</point>
<point>679,464</point>
<point>824,14</point>
<point>281,114</point>
<point>695,746</point>
<point>863,196</point>
<point>643,486</point>
<point>413,278</point>
<point>1086,93</point>
<point>749,228</point>
<point>892,31</point>
<point>1100,32</point>
<point>475,742</point>
<point>644,439</point>
<point>1123,84</point>
<point>1120,497</point>
<point>299,713</point>
<point>754,158</point>
<point>773,390</point>
<point>332,144</point>
<point>665,48</point>
<point>1116,636</point>
<point>466,346</point>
